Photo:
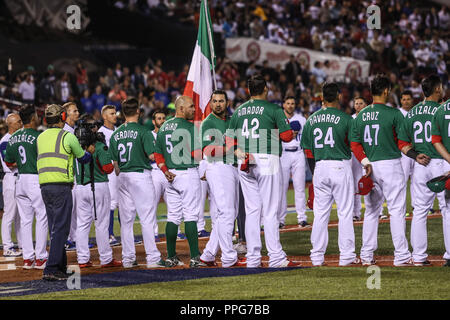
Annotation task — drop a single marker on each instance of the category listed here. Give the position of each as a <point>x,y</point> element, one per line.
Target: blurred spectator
<point>318,72</point>
<point>86,102</point>
<point>63,90</point>
<point>82,77</point>
<point>27,90</point>
<point>116,96</point>
<point>98,98</point>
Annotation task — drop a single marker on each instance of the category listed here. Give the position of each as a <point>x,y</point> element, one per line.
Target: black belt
<point>291,150</point>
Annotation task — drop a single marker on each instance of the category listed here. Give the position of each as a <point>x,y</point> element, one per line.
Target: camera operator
<point>93,197</point>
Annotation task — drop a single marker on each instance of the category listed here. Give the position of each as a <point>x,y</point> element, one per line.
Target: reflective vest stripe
<point>58,141</point>
<point>52,169</point>
<point>53,155</point>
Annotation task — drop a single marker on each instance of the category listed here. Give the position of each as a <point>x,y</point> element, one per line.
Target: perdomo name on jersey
<point>422,110</point>
<point>250,110</point>
<point>22,138</point>
<point>127,134</point>
<point>324,118</point>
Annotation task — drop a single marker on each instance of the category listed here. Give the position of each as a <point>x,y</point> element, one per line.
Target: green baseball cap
<point>437,184</point>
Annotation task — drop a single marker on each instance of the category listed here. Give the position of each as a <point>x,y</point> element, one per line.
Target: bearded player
<point>374,143</point>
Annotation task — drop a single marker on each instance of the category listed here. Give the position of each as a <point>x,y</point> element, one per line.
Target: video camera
<point>85,134</point>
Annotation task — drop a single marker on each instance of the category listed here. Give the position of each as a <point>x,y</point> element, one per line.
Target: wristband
<point>164,169</point>
<point>365,161</point>
<point>412,154</point>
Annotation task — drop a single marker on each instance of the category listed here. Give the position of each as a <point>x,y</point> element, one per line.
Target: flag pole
<point>211,46</point>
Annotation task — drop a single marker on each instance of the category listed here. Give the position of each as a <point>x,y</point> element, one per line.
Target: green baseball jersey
<point>22,149</point>
<point>176,140</point>
<point>101,157</point>
<point>130,145</point>
<point>213,133</point>
<point>256,125</point>
<point>326,134</point>
<point>440,125</point>
<point>416,128</point>
<point>377,127</point>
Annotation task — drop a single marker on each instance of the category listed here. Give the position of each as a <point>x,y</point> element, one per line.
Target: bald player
<point>440,131</point>
<point>11,213</point>
<point>293,162</point>
<point>374,143</point>
<point>359,103</point>
<point>109,125</point>
<point>178,152</point>
<point>72,116</point>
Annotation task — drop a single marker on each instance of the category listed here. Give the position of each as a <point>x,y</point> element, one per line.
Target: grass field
<point>309,283</point>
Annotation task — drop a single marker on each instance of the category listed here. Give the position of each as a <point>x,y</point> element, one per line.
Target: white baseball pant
<point>160,183</point>
<point>407,166</point>
<point>137,195</point>
<point>73,220</point>
<point>204,190</point>
<point>358,172</point>
<point>261,188</point>
<point>113,191</point>
<point>446,217</point>
<point>30,203</point>
<point>183,196</point>
<point>293,162</point>
<point>85,216</point>
<point>389,183</point>
<point>223,182</point>
<point>422,203</point>
<point>333,181</point>
<point>10,212</point>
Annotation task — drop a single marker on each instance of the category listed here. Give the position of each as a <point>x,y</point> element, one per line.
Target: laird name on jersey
<point>250,110</point>
<point>422,110</point>
<point>370,116</point>
<point>22,138</point>
<point>324,118</point>
<point>127,134</point>
<point>169,127</point>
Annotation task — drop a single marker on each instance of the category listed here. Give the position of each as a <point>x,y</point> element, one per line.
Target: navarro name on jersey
<point>331,118</point>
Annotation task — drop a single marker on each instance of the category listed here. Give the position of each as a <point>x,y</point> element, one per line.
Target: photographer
<point>92,194</point>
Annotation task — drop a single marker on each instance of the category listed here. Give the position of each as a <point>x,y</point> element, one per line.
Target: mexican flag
<point>199,85</point>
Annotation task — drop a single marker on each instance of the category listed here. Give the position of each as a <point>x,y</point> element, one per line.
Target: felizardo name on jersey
<point>126,134</point>
<point>331,118</point>
<point>22,138</point>
<point>423,110</point>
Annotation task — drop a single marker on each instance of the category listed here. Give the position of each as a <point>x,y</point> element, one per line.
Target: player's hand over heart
<point>240,154</point>
<point>169,176</point>
<point>368,169</point>
<point>423,159</point>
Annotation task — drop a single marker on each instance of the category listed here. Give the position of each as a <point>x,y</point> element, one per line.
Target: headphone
<point>63,116</point>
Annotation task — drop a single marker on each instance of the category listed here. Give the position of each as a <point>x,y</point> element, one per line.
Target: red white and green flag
<point>199,85</point>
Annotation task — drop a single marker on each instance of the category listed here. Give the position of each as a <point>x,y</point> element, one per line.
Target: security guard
<point>56,151</point>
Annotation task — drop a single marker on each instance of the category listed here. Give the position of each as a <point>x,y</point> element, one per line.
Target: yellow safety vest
<point>54,163</point>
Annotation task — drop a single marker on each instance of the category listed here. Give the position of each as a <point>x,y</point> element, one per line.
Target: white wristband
<point>365,161</point>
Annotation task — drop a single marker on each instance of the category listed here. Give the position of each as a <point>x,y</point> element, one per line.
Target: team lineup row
<point>146,168</point>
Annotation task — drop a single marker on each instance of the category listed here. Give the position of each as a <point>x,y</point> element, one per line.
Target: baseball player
<point>22,152</point>
<point>177,155</point>
<point>73,115</point>
<point>131,146</point>
<point>101,165</point>
<point>440,138</point>
<point>109,125</point>
<point>10,213</point>
<point>417,132</point>
<point>223,181</point>
<point>293,162</point>
<point>325,141</point>
<point>374,143</point>
<point>406,101</point>
<point>256,128</point>
<point>359,103</point>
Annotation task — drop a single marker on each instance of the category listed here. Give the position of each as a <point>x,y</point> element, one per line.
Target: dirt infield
<point>17,274</point>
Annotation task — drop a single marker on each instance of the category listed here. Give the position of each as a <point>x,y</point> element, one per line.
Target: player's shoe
<point>425,263</point>
<point>303,224</point>
<point>355,218</point>
<point>203,234</point>
<point>11,252</point>
<point>160,264</point>
<point>113,241</point>
<point>70,246</point>
<point>289,264</point>
<point>157,239</point>
<point>240,262</point>
<point>408,263</point>
<point>128,265</point>
<point>137,241</point>
<point>56,276</point>
<point>173,262</point>
<point>196,262</point>
<point>181,236</point>
<point>384,217</point>
<point>112,263</point>
<point>368,263</point>
<point>85,265</point>
<point>281,226</point>
<point>209,263</point>
<point>240,248</point>
<point>28,264</point>
<point>355,262</point>
<point>40,264</point>
<point>447,263</point>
